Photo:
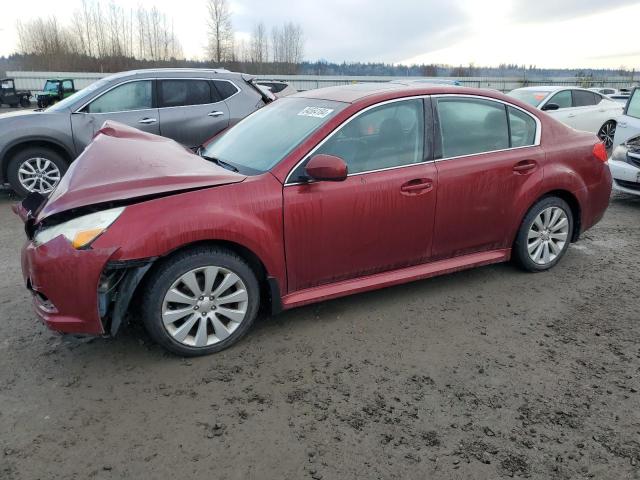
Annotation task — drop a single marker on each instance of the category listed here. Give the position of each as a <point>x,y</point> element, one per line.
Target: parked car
<point>187,105</point>
<point>320,194</point>
<point>278,89</point>
<point>577,107</point>
<point>625,159</point>
<point>621,98</point>
<point>605,90</point>
<point>427,81</point>
<point>55,89</point>
<point>12,97</point>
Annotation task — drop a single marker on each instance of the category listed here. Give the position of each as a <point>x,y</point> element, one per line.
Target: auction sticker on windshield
<point>316,112</point>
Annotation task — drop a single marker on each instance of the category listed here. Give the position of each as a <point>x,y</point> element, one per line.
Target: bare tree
<point>220,45</point>
<point>259,44</point>
<point>287,45</point>
<point>156,38</point>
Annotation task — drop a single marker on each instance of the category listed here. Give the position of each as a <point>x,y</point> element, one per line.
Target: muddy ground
<point>483,374</point>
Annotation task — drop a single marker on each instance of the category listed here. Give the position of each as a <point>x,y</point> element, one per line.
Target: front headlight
<point>80,231</point>
<point>620,153</point>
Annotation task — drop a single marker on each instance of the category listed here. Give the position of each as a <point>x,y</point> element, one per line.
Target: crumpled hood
<point>123,163</point>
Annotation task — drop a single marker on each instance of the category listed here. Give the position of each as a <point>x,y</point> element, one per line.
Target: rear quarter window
<point>226,89</point>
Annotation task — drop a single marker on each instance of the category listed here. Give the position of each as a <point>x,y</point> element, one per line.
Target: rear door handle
<point>417,185</point>
<point>215,114</point>
<point>524,166</point>
<point>147,121</point>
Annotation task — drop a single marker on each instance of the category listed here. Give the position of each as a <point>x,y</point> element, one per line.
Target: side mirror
<point>326,167</point>
<point>551,107</point>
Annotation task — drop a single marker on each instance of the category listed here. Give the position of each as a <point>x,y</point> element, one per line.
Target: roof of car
<point>549,88</point>
<point>359,91</point>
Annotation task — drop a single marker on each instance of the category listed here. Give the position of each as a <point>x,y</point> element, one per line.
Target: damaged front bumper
<point>80,291</point>
<point>64,284</point>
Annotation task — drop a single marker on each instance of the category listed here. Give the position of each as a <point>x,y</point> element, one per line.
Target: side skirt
<point>394,277</point>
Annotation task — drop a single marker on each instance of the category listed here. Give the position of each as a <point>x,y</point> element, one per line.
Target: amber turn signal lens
<point>85,237</point>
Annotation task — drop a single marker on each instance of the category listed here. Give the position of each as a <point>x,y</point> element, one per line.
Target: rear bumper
<point>625,177</point>
<point>64,283</point>
<point>594,200</point>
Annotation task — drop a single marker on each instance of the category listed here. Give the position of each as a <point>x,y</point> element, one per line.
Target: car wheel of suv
<point>200,301</point>
<point>544,235</point>
<point>607,132</point>
<point>25,102</point>
<point>35,169</point>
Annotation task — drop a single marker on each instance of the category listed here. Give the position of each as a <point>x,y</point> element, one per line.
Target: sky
<point>545,33</point>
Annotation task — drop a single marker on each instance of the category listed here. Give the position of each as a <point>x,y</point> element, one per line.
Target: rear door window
<point>182,92</point>
<point>633,107</point>
<point>469,126</point>
<point>582,98</point>
<point>562,99</point>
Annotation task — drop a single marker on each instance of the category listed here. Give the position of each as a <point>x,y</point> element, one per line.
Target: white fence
<point>35,80</point>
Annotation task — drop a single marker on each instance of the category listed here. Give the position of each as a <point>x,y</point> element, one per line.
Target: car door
<point>629,123</point>
<point>588,115</point>
<point>381,217</point>
<point>490,168</point>
<point>565,113</point>
<point>130,103</point>
<point>191,110</point>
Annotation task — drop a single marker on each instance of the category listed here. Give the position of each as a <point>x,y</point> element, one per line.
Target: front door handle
<point>215,114</point>
<point>524,166</point>
<point>147,121</point>
<point>417,185</point>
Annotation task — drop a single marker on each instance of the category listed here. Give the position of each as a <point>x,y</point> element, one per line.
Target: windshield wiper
<point>220,163</point>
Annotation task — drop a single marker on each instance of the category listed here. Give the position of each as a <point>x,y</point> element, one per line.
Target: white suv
<point>625,160</point>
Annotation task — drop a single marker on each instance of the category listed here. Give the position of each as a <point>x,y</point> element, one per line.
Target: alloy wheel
<point>39,174</point>
<point>548,235</point>
<point>204,306</point>
<point>607,133</point>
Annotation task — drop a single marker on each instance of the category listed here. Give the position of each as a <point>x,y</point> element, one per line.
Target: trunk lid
<point>124,163</point>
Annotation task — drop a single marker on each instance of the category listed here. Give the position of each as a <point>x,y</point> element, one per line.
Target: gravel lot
<point>482,374</point>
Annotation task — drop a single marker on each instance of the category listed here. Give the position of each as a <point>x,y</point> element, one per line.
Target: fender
<point>4,160</point>
<point>247,213</point>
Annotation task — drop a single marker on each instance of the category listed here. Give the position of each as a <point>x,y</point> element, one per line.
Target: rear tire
<point>200,301</point>
<point>24,165</point>
<point>544,235</point>
<point>607,132</point>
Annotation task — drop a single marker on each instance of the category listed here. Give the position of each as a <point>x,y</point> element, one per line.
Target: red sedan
<point>319,195</point>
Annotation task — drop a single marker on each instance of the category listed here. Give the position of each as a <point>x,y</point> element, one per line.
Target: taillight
<point>600,152</point>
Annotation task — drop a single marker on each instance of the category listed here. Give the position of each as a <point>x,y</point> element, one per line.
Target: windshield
<point>76,97</point>
<point>51,87</point>
<point>260,141</point>
<point>532,97</point>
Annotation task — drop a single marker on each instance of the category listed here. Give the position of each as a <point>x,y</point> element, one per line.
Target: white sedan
<point>579,108</point>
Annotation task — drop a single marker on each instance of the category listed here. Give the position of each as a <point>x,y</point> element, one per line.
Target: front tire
<point>544,236</point>
<point>35,169</point>
<point>25,102</point>
<point>200,301</point>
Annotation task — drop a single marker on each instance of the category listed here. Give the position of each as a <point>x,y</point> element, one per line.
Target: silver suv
<point>187,105</point>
